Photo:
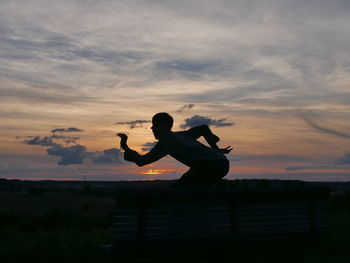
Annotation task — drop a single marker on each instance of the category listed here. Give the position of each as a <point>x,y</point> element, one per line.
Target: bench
<point>218,221</point>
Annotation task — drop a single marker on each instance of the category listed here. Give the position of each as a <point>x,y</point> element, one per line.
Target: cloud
<point>73,154</point>
<point>77,154</point>
<point>334,164</point>
<point>21,88</point>
<point>186,65</point>
<point>185,107</point>
<point>309,120</point>
<point>150,42</point>
<point>299,168</point>
<point>37,140</point>
<point>274,158</point>
<point>47,140</point>
<point>251,56</point>
<point>243,93</point>
<point>71,129</point>
<point>69,155</point>
<point>148,146</point>
<point>107,156</point>
<point>345,160</point>
<point>133,124</point>
<point>66,139</point>
<point>200,120</point>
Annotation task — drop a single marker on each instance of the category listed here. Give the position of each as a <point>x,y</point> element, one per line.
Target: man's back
<point>186,149</point>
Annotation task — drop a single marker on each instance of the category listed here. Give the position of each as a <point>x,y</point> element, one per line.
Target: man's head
<point>161,123</point>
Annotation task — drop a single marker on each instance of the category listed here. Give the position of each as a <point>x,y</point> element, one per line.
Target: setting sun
<point>154,171</point>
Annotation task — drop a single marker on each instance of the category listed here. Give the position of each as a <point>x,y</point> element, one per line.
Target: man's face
<point>159,129</point>
<point>155,130</point>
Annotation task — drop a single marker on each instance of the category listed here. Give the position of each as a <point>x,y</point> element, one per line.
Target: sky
<point>270,77</point>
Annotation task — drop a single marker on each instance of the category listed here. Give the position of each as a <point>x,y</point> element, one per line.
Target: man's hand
<point>226,150</point>
<point>123,140</point>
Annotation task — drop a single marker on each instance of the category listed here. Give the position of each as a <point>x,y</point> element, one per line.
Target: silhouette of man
<point>207,164</point>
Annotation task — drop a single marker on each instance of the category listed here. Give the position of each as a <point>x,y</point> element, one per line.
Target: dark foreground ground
<point>67,221</point>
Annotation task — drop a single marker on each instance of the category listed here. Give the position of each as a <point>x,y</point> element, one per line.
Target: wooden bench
<point>197,221</point>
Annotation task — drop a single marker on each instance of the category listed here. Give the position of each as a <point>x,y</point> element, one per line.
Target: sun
<point>154,172</point>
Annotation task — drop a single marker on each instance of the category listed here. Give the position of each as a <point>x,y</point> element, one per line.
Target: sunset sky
<point>270,77</point>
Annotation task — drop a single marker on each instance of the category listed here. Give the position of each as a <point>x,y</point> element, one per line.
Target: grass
<point>335,247</point>
<point>53,228</point>
<point>53,237</point>
<point>56,245</point>
<point>69,227</point>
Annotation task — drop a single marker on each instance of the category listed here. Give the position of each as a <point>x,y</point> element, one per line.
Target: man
<point>207,164</point>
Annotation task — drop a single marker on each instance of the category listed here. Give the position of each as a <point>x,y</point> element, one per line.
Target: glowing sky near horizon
<point>271,78</point>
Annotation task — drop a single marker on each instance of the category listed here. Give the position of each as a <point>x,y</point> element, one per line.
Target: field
<point>69,225</point>
<point>57,227</point>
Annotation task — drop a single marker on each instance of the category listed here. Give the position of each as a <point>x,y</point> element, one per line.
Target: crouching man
<point>207,164</point>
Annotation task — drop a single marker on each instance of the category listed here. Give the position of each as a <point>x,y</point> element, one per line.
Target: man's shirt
<point>183,146</point>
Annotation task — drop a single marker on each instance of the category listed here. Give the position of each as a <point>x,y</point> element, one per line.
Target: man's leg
<point>205,174</point>
<point>189,179</point>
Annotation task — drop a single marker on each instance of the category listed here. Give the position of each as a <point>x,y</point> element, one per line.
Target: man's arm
<point>204,130</point>
<point>141,160</point>
<point>211,138</point>
<point>132,156</point>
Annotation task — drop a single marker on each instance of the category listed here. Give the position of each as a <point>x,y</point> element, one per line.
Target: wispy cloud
<point>337,163</point>
<point>321,167</point>
<point>45,141</point>
<point>133,124</point>
<point>200,120</point>
<point>257,48</point>
<point>72,129</point>
<point>185,107</point>
<point>344,160</point>
<point>321,127</point>
<point>254,60</point>
<point>275,158</point>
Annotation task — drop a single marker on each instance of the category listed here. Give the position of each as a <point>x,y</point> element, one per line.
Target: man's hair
<point>163,118</point>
